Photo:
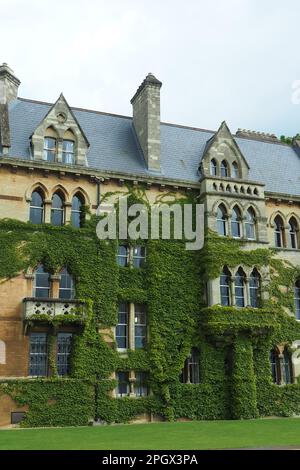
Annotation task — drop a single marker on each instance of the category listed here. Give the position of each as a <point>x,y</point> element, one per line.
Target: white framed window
<point>50,149</point>
<point>131,330</point>
<point>236,222</point>
<point>222,220</point>
<point>225,280</point>
<point>239,288</point>
<point>134,256</point>
<point>250,224</point>
<point>68,152</point>
<point>293,233</point>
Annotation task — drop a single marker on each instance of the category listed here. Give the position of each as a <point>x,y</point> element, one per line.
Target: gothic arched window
<point>57,210</point>
<point>36,215</point>
<point>236,222</point>
<point>77,214</point>
<point>224,168</point>
<point>225,286</point>
<point>213,167</point>
<point>41,284</point>
<point>250,224</point>
<point>239,288</point>
<point>66,285</point>
<point>221,220</point>
<point>254,288</point>
<point>278,232</point>
<point>293,233</point>
<point>235,170</point>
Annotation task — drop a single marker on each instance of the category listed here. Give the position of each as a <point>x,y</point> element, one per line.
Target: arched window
<point>297,299</point>
<point>254,288</point>
<point>41,284</point>
<point>68,148</point>
<point>225,286</point>
<point>235,170</point>
<point>278,232</point>
<point>213,167</point>
<point>224,168</point>
<point>275,366</point>
<point>36,215</point>
<point>250,224</point>
<point>190,372</point>
<point>57,211</point>
<point>287,374</point>
<point>239,288</point>
<point>293,232</point>
<point>236,222</point>
<point>66,285</point>
<point>77,215</point>
<point>50,145</point>
<point>2,352</point>
<point>221,220</point>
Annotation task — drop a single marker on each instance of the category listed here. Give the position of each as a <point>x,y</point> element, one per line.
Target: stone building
<point>57,163</point>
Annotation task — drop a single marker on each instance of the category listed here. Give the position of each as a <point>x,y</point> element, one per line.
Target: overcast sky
<point>235,60</point>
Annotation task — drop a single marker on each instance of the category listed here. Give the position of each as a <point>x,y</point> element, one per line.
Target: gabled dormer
<point>222,156</point>
<point>59,137</point>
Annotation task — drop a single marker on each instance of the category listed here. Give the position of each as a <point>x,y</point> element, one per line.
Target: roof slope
<point>113,147</point>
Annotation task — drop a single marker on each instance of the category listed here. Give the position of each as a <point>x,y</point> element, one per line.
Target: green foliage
<point>54,402</point>
<point>172,284</point>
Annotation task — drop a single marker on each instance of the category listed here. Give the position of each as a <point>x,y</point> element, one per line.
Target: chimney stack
<point>9,84</point>
<point>146,120</point>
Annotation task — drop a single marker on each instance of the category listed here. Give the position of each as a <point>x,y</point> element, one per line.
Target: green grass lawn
<point>181,435</point>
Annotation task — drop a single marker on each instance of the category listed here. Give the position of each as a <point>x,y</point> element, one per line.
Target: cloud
<point>233,60</point>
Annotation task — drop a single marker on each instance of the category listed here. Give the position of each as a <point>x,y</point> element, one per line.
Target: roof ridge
<point>75,108</point>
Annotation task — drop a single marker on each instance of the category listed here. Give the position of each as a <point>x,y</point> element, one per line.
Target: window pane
<point>66,285</point>
<point>38,355</point>
<point>122,327</point>
<point>122,256</point>
<point>41,283</point>
<point>36,215</point>
<point>123,383</point>
<point>57,217</point>
<point>36,199</point>
<point>139,255</point>
<point>64,348</point>
<point>141,384</point>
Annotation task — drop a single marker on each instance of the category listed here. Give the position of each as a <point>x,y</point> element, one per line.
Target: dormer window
<point>63,140</point>
<point>235,170</point>
<point>68,152</point>
<point>49,149</point>
<point>68,148</point>
<point>224,168</point>
<point>213,167</point>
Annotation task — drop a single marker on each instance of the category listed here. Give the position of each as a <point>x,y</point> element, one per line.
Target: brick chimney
<point>146,120</point>
<point>9,84</point>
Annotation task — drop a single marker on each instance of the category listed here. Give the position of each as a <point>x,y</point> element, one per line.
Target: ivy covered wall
<point>234,344</point>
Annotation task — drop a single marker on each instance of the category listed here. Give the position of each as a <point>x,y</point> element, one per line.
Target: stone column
<point>47,211</point>
<point>132,381</point>
<point>68,213</point>
<point>54,291</point>
<point>131,327</point>
<point>247,292</point>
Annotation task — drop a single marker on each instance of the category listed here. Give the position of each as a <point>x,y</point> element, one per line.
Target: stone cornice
<point>95,174</point>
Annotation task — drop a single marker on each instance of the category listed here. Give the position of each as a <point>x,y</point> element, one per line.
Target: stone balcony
<point>33,308</point>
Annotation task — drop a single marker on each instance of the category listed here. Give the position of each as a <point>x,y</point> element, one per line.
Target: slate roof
<point>113,147</point>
